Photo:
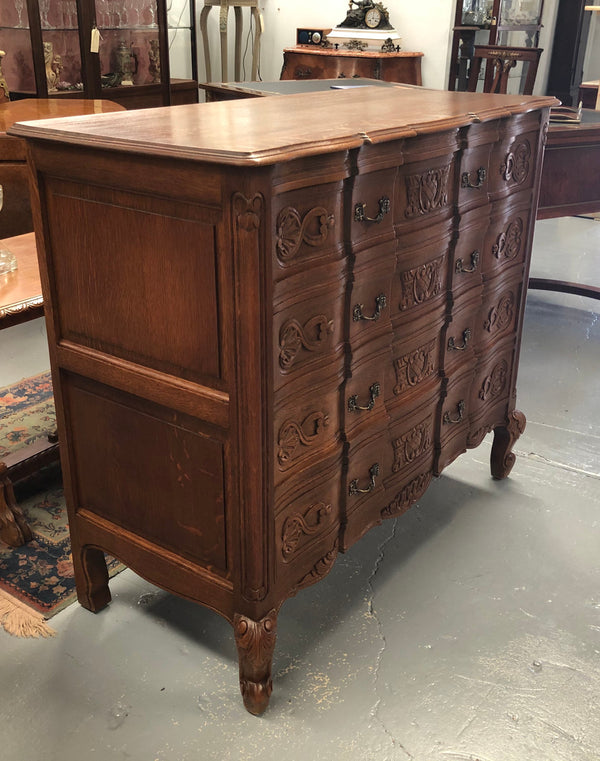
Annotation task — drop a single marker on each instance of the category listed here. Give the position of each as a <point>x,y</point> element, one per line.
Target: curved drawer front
<point>308,227</point>
<point>513,163</point>
<point>372,207</point>
<point>506,239</point>
<point>461,333</point>
<point>425,192</point>
<point>308,324</point>
<point>370,294</point>
<point>454,424</point>
<point>500,310</point>
<point>366,391</point>
<point>420,284</point>
<point>466,264</point>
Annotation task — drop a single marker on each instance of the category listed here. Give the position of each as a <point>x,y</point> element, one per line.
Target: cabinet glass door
<point>15,41</point>
<point>60,43</point>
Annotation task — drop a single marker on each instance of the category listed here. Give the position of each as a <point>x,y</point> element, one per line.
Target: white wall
<point>424,25</point>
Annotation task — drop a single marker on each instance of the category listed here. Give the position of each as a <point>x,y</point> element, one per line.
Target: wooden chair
<point>500,60</point>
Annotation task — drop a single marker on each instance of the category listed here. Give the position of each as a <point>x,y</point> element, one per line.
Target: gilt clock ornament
<point>368,23</point>
<point>365,14</point>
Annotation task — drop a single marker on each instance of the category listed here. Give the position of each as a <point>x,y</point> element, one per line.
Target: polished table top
<point>21,290</point>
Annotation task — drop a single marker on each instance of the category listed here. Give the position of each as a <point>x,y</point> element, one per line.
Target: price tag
<point>95,43</point>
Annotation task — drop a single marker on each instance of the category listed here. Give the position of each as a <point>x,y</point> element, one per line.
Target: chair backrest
<point>500,59</point>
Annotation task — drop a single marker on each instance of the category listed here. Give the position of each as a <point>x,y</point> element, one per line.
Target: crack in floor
<point>372,613</point>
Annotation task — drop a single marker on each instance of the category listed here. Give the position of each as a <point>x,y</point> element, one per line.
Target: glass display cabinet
<point>134,52</point>
<point>491,22</point>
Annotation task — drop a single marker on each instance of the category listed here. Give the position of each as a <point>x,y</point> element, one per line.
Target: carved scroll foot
<point>91,578</point>
<point>14,530</point>
<point>502,457</point>
<point>255,642</point>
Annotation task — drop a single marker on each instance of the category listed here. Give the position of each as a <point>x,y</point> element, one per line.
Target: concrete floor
<point>466,630</point>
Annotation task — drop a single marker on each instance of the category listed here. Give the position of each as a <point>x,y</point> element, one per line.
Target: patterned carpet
<point>36,580</point>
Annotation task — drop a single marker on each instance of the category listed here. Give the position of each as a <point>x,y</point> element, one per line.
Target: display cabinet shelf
<point>105,49</point>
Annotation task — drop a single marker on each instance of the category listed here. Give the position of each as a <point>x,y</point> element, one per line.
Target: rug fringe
<point>20,621</point>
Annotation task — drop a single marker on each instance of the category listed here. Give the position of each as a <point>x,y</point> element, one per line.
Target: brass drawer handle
<point>460,267</point>
<point>466,179</point>
<point>373,473</point>
<point>380,304</point>
<point>460,414</point>
<point>360,211</point>
<point>466,338</point>
<point>354,406</point>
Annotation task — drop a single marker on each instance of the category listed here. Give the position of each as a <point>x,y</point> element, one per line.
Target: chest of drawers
<point>267,339</point>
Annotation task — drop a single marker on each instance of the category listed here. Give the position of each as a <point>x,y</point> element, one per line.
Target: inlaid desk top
<point>21,291</point>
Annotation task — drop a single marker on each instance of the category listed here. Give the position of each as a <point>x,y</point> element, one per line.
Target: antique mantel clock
<point>366,22</point>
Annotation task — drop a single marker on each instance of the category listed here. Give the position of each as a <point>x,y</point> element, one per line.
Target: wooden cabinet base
<point>267,341</point>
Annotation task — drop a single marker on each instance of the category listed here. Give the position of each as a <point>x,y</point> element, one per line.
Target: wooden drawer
<point>500,310</point>
<point>415,360</point>
<point>425,191</point>
<point>365,390</point>
<point>413,438</point>
<point>474,177</point>
<point>490,392</point>
<point>370,295</point>
<point>308,227</point>
<point>466,265</point>
<point>308,323</point>
<point>372,207</point>
<point>513,162</point>
<point>461,332</point>
<point>420,283</point>
<point>454,423</point>
<point>506,239</point>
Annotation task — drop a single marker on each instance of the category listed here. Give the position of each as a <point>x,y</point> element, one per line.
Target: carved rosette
<point>494,384</point>
<point>517,163</point>
<point>255,641</point>
<point>313,336</point>
<point>294,438</point>
<point>293,230</point>
<point>248,211</point>
<point>422,283</point>
<point>508,244</point>
<point>427,192</point>
<point>501,314</point>
<point>303,524</point>
<point>412,444</point>
<point>414,367</point>
<point>407,496</point>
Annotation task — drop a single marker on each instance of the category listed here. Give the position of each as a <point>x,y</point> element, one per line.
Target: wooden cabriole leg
<point>255,642</point>
<point>502,457</point>
<point>14,530</point>
<point>92,578</point>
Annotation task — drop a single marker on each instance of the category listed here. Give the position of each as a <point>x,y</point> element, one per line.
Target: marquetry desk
<point>268,334</point>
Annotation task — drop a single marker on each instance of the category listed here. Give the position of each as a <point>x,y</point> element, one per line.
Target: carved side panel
<point>414,367</point>
<point>427,192</point>
<point>421,283</point>
<point>247,218</point>
<point>293,230</point>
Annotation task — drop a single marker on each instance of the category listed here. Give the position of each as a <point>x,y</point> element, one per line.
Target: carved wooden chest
<point>269,334</point>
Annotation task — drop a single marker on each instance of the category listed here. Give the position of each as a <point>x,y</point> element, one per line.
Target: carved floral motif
<point>312,336</point>
<point>500,316</point>
<point>508,244</point>
<point>293,230</point>
<point>421,283</point>
<point>412,444</point>
<point>248,211</point>
<point>293,436</point>
<point>494,383</point>
<point>517,163</point>
<point>427,192</point>
<point>302,524</point>
<point>320,569</point>
<point>407,496</point>
<point>412,368</point>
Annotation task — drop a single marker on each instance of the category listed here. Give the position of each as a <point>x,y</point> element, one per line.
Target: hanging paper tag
<point>95,43</point>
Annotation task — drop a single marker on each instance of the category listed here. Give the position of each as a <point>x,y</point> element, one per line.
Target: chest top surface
<point>269,130</point>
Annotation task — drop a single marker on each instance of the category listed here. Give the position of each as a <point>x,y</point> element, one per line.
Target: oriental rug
<point>36,579</point>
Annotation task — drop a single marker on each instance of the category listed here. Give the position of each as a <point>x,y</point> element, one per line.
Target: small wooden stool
<point>237,9</point>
